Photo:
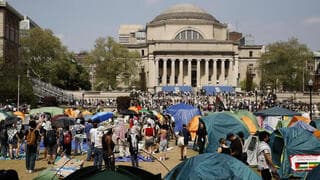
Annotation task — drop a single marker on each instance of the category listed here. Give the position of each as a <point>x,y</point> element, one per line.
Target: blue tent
<point>182,114</point>
<point>212,166</point>
<point>218,125</point>
<point>287,142</point>
<point>101,116</point>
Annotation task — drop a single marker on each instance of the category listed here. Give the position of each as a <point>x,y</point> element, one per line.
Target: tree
<point>115,64</point>
<point>47,59</point>
<point>284,65</point>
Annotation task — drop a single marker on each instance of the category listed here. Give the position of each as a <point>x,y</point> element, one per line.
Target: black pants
<point>201,147</point>
<point>265,174</point>
<point>109,161</point>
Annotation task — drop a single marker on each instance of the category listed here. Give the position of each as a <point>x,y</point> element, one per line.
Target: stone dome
<point>184,12</point>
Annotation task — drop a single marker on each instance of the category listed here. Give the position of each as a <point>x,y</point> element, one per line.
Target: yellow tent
<point>86,112</point>
<point>250,125</point>
<point>70,112</point>
<point>193,126</point>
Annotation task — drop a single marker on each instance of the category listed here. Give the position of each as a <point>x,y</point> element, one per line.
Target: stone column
<point>230,74</point>
<point>236,71</point>
<point>181,72</point>
<point>206,72</point>
<point>222,76</point>
<point>164,74</point>
<point>173,73</point>
<point>189,72</point>
<point>156,73</point>
<point>198,72</point>
<point>214,74</point>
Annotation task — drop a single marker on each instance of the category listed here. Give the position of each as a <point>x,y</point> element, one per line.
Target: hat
<point>229,135</point>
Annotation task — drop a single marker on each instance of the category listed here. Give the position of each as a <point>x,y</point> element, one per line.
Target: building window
<point>189,35</point>
<point>250,53</point>
<point>142,52</point>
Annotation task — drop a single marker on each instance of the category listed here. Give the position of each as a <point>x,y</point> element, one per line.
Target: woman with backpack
<point>32,135</point>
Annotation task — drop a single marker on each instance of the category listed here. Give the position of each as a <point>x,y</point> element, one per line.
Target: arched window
<point>189,35</point>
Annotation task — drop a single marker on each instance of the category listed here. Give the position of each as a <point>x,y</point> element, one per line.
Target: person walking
<point>149,139</point>
<point>202,137</point>
<point>67,141</point>
<point>52,145</point>
<point>32,135</point>
<point>98,151</point>
<point>78,130</point>
<point>108,146</point>
<point>264,158</point>
<point>87,129</point>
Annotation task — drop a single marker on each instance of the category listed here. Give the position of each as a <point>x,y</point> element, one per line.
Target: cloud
<point>152,2</point>
<point>312,20</point>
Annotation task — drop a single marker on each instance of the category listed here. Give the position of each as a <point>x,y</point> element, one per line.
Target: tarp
<point>212,166</point>
<point>277,111</point>
<point>182,114</point>
<point>4,115</point>
<point>193,126</point>
<point>218,125</point>
<point>287,142</point>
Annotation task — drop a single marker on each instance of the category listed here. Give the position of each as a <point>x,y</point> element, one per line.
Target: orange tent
<point>70,112</point>
<point>19,114</point>
<point>86,112</point>
<point>298,118</point>
<point>250,125</point>
<point>193,126</point>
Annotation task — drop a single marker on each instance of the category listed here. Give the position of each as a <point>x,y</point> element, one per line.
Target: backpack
<point>51,137</point>
<point>31,137</point>
<point>67,138</point>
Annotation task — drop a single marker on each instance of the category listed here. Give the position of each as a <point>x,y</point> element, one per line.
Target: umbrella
<point>4,115</point>
<point>63,122</point>
<point>58,116</point>
<point>134,108</point>
<point>10,120</point>
<point>101,116</point>
<point>52,110</point>
<point>86,112</point>
<point>128,112</point>
<point>145,111</point>
<point>19,114</point>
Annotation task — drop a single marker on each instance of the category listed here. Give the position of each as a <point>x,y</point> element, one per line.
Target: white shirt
<point>263,148</point>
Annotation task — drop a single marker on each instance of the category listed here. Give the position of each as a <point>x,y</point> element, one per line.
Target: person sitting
<point>223,148</point>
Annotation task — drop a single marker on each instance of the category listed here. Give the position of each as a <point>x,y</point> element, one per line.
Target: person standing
<point>264,158</point>
<point>98,151</point>
<point>108,146</point>
<point>202,137</point>
<point>32,136</point>
<point>67,141</point>
<point>186,137</point>
<point>78,130</point>
<point>133,147</point>
<point>235,146</point>
<point>52,145</point>
<point>149,139</point>
<point>87,129</point>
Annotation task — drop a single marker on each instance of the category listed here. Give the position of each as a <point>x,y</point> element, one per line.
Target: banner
<point>304,162</point>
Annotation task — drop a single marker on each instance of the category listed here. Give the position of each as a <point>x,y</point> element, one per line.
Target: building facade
<point>186,46</point>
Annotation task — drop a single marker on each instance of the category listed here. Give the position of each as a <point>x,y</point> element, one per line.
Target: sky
<point>78,23</point>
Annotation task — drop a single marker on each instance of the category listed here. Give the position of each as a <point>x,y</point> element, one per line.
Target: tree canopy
<point>48,60</point>
<point>285,64</point>
<point>115,64</point>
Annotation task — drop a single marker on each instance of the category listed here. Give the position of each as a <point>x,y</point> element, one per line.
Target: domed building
<point>185,47</point>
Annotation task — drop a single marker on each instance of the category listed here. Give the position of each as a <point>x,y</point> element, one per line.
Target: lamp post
<point>310,85</point>
<point>256,96</point>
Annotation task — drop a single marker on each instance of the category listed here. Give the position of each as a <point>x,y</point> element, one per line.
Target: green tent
<point>219,124</point>
<point>52,110</point>
<point>250,115</point>
<point>287,144</point>
<point>276,111</point>
<point>212,166</point>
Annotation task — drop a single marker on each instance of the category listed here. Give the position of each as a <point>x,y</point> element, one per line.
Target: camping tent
<point>294,149</point>
<point>218,125</point>
<point>182,114</point>
<point>212,166</point>
<point>299,118</point>
<point>249,120</point>
<point>120,172</point>
<point>193,126</point>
